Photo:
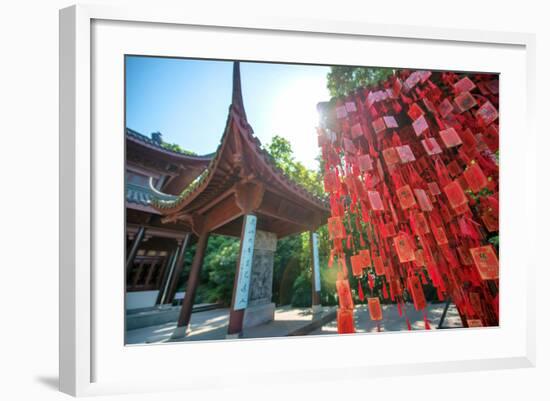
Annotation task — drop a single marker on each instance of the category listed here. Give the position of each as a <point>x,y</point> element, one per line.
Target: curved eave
<point>167,207</point>
<point>136,138</point>
<point>187,196</point>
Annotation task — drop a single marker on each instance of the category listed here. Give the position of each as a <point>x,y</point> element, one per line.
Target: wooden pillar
<point>315,272</point>
<point>192,283</point>
<point>176,273</point>
<point>241,285</point>
<point>134,249</point>
<point>166,275</point>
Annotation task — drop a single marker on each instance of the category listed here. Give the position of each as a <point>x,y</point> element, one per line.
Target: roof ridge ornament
<point>237,95</point>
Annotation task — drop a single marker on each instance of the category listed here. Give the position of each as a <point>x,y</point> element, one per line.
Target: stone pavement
<point>393,322</point>
<point>212,325</point>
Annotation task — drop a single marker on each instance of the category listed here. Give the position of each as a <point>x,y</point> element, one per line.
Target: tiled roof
<point>197,185</point>
<point>141,195</point>
<point>137,137</point>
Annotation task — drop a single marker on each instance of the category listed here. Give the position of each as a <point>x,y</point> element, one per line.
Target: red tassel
<point>408,324</point>
<point>360,288</point>
<point>362,241</point>
<point>399,309</point>
<point>423,278</point>
<point>348,244</point>
<point>426,321</point>
<point>371,282</point>
<point>384,291</point>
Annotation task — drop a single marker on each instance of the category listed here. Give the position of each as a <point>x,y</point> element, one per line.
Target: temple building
<point>240,192</point>
<point>154,259</point>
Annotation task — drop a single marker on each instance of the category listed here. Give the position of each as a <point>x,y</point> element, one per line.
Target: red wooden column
<point>192,283</point>
<point>241,285</point>
<point>315,272</point>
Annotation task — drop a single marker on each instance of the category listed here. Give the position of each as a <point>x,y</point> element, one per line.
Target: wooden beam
<point>281,209</point>
<point>223,213</point>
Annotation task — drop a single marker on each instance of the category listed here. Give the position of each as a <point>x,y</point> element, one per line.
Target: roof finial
<point>237,97</point>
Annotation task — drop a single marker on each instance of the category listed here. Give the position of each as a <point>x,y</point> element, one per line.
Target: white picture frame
<point>81,342</point>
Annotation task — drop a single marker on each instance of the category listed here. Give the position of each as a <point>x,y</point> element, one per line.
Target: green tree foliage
<point>281,151</point>
<point>218,270</point>
<point>342,80</point>
<point>177,148</point>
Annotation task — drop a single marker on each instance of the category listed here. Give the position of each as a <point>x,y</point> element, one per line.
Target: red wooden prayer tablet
<point>464,85</point>
<point>415,111</point>
<point>445,108</point>
<point>344,294</point>
<point>420,125</point>
<point>404,248</point>
<point>349,146</point>
<point>378,265</point>
<point>490,221</point>
<point>434,188</point>
<point>450,138</point>
<point>431,146</point>
<point>421,226</point>
<point>487,113</point>
<point>406,198</point>
<point>440,236</point>
<point>365,162</point>
<point>375,310</point>
<point>344,320</point>
<point>423,200</point>
<point>375,200</point>
<point>357,265</point>
<point>465,101</point>
<point>378,125</point>
<point>417,293</point>
<point>365,253</point>
<point>475,177</point>
<point>391,156</point>
<point>356,131</point>
<point>455,194</point>
<point>390,122</point>
<point>474,323</point>
<point>405,153</point>
<point>486,262</point>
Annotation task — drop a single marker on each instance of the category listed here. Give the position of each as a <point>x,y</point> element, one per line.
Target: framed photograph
<point>287,198</point>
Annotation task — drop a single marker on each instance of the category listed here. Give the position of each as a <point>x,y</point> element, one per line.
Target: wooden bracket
<point>198,223</point>
<point>249,196</point>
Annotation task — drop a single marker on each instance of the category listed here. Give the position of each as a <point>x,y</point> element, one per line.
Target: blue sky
<point>187,101</point>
